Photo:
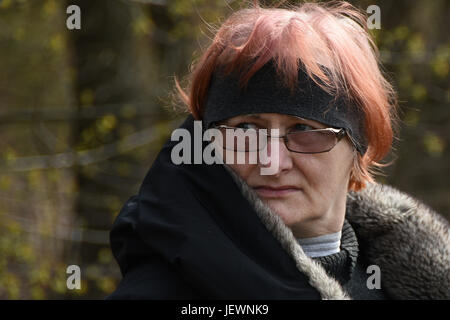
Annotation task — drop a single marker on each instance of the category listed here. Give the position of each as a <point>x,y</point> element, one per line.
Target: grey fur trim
<point>405,238</point>
<point>327,286</point>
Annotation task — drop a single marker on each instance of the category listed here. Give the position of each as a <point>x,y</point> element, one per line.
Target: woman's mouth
<point>275,191</point>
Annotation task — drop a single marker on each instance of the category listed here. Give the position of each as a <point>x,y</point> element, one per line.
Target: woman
<point>306,83</point>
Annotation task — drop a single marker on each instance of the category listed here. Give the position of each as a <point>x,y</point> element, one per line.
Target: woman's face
<point>308,191</point>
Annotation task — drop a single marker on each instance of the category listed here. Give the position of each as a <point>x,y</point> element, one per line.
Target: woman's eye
<point>301,127</point>
<point>246,125</point>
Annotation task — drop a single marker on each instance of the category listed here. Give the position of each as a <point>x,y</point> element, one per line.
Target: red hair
<point>313,36</point>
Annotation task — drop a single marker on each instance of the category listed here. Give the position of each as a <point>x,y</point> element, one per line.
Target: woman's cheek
<point>244,171</point>
<point>320,181</point>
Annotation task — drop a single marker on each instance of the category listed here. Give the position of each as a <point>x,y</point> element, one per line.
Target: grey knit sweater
<point>349,269</point>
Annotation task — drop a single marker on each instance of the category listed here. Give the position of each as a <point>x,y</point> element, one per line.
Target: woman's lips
<point>275,192</point>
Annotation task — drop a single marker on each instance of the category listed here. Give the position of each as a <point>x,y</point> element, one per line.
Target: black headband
<point>266,94</point>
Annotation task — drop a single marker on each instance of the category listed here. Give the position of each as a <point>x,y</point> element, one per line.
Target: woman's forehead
<point>278,117</point>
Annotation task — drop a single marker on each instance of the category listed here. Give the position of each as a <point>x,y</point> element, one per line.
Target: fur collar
<point>405,238</point>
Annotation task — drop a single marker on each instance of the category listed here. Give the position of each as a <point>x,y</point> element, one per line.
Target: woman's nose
<point>277,153</point>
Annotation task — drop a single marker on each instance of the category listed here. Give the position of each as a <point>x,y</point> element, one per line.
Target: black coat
<point>194,232</point>
<point>190,233</point>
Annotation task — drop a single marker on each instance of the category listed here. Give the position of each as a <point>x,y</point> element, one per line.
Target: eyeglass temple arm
<point>355,145</point>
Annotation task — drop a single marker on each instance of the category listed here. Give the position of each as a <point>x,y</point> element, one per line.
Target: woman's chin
<point>284,212</point>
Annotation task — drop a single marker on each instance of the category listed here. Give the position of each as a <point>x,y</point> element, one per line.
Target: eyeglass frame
<point>339,134</point>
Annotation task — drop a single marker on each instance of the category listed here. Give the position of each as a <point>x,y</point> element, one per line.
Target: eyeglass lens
<point>250,140</point>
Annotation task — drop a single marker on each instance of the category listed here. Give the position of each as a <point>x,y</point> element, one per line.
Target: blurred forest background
<point>83,114</point>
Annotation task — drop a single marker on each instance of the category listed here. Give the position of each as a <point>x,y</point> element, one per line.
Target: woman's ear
<point>352,177</point>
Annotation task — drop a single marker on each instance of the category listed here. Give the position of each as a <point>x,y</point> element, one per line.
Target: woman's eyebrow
<point>308,122</point>
<point>255,116</point>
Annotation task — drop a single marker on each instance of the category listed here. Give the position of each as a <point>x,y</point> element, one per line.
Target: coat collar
<point>407,239</point>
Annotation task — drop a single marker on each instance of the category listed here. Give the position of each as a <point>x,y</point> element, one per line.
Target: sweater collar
<point>341,265</point>
<point>321,246</point>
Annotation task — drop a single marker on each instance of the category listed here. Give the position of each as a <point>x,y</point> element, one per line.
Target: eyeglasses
<point>307,141</point>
